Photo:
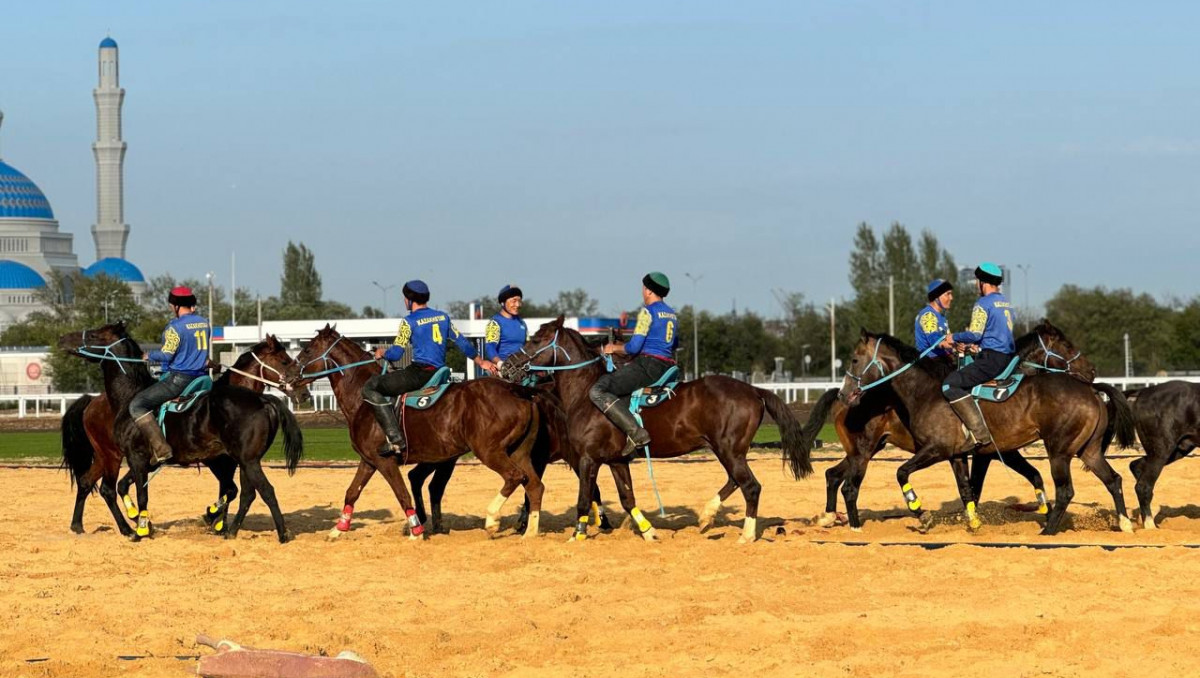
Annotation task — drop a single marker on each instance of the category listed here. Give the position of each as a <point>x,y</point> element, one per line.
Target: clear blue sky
<point>570,144</point>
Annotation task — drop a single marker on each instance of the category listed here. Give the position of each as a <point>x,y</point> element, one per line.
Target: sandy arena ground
<point>695,604</point>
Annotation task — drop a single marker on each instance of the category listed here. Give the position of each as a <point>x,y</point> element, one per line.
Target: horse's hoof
<point>650,535</point>
<point>856,530</point>
<point>335,533</point>
<point>927,522</point>
<point>746,540</point>
<point>1125,524</point>
<point>77,529</point>
<point>133,537</point>
<point>831,519</point>
<point>286,537</point>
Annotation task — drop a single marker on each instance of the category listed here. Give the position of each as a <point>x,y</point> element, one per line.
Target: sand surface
<point>694,604</point>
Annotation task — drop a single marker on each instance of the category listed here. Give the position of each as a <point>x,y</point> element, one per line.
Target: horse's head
<point>875,356</point>
<point>552,344</point>
<point>317,355</point>
<point>94,345</point>
<point>272,363</point>
<point>1050,350</point>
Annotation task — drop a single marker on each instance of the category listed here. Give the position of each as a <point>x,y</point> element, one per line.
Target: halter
<point>282,384</point>
<point>108,354</point>
<point>1045,364</point>
<point>325,360</point>
<point>884,376</point>
<point>553,346</point>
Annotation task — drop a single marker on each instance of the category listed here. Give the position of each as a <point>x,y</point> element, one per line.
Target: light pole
<point>384,289</point>
<point>210,277</point>
<point>1025,279</point>
<point>695,324</point>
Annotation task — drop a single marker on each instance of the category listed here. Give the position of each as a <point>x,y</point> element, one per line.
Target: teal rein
<point>887,377</point>
<point>107,355</point>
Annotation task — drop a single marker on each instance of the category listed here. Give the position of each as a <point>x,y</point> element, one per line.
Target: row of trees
<point>1163,335</point>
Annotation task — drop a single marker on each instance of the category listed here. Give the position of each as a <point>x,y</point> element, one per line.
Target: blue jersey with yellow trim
<point>425,331</point>
<point>991,325</point>
<point>931,328</point>
<point>185,346</point>
<point>503,336</point>
<point>655,334</point>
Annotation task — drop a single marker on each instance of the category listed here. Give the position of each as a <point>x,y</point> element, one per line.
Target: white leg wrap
<point>333,534</point>
<point>492,522</point>
<point>531,530</point>
<point>749,531</point>
<point>1126,525</point>
<point>710,512</point>
<point>827,520</point>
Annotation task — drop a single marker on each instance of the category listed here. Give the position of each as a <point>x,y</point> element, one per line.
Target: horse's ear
<point>327,328</point>
<point>559,320</point>
<point>863,333</point>
<point>272,342</point>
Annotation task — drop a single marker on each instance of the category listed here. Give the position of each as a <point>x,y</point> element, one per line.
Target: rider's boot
<point>386,416</point>
<point>978,435</point>
<point>620,415</point>
<point>160,451</point>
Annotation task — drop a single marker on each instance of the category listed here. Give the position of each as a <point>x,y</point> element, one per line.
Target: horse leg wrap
<point>531,529</point>
<point>643,525</point>
<point>414,523</point>
<point>130,509</point>
<point>581,528</point>
<point>143,524</point>
<point>492,522</point>
<point>973,521</point>
<point>1043,506</point>
<point>914,502</point>
<point>218,505</point>
<point>343,523</point>
<point>710,511</point>
<point>749,531</point>
<point>596,512</point>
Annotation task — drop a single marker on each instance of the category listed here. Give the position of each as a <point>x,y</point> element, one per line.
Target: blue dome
<point>115,268</point>
<point>17,276</point>
<point>108,42</point>
<point>20,197</point>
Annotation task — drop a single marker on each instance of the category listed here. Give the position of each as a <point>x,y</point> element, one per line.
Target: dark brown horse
<point>230,420</point>
<point>717,413</point>
<point>93,457</point>
<point>1167,417</point>
<point>880,418</point>
<point>1064,412</point>
<point>496,420</point>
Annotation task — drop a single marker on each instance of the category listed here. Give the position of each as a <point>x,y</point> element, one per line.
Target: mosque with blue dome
<point>31,244</point>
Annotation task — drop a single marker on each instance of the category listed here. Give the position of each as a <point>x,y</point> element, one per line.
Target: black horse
<point>1064,412</point>
<point>230,420</point>
<point>1167,417</point>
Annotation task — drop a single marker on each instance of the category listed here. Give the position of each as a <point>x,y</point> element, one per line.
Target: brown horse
<point>496,420</point>
<point>1062,411</point>
<point>229,420</point>
<point>879,419</point>
<point>718,413</point>
<point>93,457</point>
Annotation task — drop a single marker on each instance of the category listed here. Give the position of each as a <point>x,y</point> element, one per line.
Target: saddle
<point>1003,386</point>
<point>199,386</point>
<point>428,395</point>
<point>655,394</point>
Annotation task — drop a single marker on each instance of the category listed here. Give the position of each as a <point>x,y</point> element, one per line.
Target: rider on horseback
<point>506,332</point>
<point>991,330</point>
<point>653,343</point>
<point>425,331</point>
<point>184,356</point>
<point>931,326</point>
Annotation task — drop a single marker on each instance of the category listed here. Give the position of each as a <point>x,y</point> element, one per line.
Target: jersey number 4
<point>437,333</point>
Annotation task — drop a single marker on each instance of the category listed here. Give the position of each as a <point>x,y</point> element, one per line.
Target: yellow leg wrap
<point>640,519</point>
<point>130,509</point>
<point>219,526</point>
<point>973,517</point>
<point>1043,508</point>
<point>595,513</point>
<point>143,524</point>
<point>914,502</point>
<point>581,528</point>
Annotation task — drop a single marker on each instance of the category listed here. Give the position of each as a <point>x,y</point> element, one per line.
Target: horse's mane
<point>1026,342</point>
<point>934,367</point>
<point>138,372</point>
<point>244,363</point>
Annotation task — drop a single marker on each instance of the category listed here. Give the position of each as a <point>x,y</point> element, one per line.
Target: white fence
<point>56,404</point>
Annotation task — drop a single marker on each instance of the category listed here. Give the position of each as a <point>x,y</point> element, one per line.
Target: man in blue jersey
<point>931,326</point>
<point>991,330</point>
<point>424,332</point>
<point>184,356</point>
<point>653,345</point>
<point>506,332</point>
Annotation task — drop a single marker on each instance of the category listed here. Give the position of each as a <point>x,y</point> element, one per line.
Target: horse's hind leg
<point>108,490</point>
<point>249,492</point>
<point>979,469</point>
<point>1148,469</point>
<point>1014,460</point>
<point>850,488</point>
<point>417,476</point>
<point>254,469</point>
<point>962,477</point>
<point>1093,457</point>
<point>1060,470</point>
<point>714,505</point>
<point>834,477</point>
<point>624,482</point>
<point>924,458</point>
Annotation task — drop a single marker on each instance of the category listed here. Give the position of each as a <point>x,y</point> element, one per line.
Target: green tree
<point>300,284</point>
<point>1097,319</point>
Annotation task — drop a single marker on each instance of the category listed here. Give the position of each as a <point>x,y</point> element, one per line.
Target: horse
<point>1061,410</point>
<point>879,419</point>
<point>93,457</point>
<point>230,420</point>
<point>1167,417</point>
<point>496,420</point>
<point>715,412</point>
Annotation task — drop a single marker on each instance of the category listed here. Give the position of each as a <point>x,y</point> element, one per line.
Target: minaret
<point>110,230</point>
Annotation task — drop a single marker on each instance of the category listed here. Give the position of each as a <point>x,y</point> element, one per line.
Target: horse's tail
<point>77,450</point>
<point>1120,418</point>
<point>795,452</point>
<point>293,440</point>
<point>816,418</point>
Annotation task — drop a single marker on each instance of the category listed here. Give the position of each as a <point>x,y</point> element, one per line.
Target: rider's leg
<point>377,392</point>
<point>609,389</point>
<point>957,390</point>
<point>143,409</point>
